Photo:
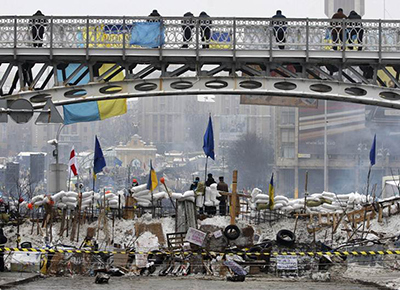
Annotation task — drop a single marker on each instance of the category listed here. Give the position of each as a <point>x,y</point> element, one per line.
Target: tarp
<point>147,34</point>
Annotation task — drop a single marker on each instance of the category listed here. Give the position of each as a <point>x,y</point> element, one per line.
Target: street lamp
<point>58,167</point>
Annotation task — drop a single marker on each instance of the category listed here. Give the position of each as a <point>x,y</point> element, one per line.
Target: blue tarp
<point>147,34</point>
<point>81,112</point>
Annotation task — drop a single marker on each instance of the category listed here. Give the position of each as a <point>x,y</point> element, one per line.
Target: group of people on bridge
<point>352,31</point>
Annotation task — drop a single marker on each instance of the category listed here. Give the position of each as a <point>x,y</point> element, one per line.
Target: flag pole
<point>205,179</point>
<point>93,195</point>
<point>69,178</point>
<point>368,178</point>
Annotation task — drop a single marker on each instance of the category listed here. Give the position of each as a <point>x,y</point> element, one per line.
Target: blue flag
<point>372,153</point>
<point>208,145</point>
<point>99,162</point>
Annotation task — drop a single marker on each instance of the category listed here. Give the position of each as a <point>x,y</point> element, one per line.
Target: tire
<point>232,232</point>
<point>285,238</point>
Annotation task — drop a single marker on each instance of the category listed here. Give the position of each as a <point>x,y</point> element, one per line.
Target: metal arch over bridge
<point>222,55</point>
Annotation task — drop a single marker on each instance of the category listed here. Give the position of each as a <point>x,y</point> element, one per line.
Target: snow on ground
<point>123,231</point>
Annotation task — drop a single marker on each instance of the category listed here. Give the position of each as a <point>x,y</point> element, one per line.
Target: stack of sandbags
<point>256,191</point>
<point>87,199</point>
<point>211,195</point>
<point>280,201</point>
<point>70,199</point>
<point>297,204</point>
<point>142,197</point>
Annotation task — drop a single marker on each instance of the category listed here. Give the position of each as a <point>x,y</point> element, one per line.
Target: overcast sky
<point>251,8</point>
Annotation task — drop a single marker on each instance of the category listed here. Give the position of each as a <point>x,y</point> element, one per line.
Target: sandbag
<point>67,199</point>
<point>39,202</point>
<point>313,203</point>
<point>58,196</point>
<point>199,200</point>
<point>144,204</point>
<point>160,195</point>
<point>37,198</point>
<point>87,194</point>
<point>278,205</point>
<point>262,196</point>
<point>188,193</point>
<point>61,205</point>
<point>71,194</point>
<point>110,196</point>
<point>207,198</point>
<point>141,193</point>
<point>287,208</point>
<point>176,195</point>
<point>281,198</point>
<point>139,188</point>
<point>262,201</point>
<point>188,198</point>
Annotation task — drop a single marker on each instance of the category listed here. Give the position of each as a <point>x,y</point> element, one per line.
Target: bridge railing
<point>201,33</point>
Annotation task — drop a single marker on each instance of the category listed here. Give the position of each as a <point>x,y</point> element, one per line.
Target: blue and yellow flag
<point>152,182</point>
<point>271,193</point>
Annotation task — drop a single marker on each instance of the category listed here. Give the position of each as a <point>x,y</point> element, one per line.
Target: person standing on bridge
<point>337,31</point>
<point>187,27</point>
<point>38,24</point>
<point>205,29</point>
<point>279,29</point>
<point>355,29</point>
<point>154,14</point>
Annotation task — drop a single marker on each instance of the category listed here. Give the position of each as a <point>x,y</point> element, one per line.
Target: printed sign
<point>141,260</point>
<point>218,234</point>
<point>286,263</point>
<point>195,236</point>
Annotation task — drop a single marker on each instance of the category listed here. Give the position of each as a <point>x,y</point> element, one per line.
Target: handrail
<point>224,33</point>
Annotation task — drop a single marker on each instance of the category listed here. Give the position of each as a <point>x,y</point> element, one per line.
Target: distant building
<point>136,153</point>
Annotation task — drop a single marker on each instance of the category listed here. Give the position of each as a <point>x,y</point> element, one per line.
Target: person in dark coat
<point>279,28</point>
<point>211,210</point>
<point>195,183</point>
<point>205,29</point>
<point>210,180</point>
<point>222,187</point>
<point>356,30</point>
<point>38,24</point>
<point>154,13</point>
<point>187,27</point>
<point>337,31</point>
<point>3,241</point>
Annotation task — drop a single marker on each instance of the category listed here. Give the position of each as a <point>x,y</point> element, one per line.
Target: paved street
<point>186,283</point>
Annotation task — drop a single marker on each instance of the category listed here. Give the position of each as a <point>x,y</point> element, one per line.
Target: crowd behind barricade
<point>339,32</point>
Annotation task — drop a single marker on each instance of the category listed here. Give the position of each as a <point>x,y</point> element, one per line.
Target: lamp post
<point>58,167</point>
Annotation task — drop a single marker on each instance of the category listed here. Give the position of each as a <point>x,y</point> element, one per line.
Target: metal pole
<point>325,146</point>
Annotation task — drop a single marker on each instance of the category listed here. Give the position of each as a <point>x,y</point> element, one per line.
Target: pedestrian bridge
<point>78,59</point>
